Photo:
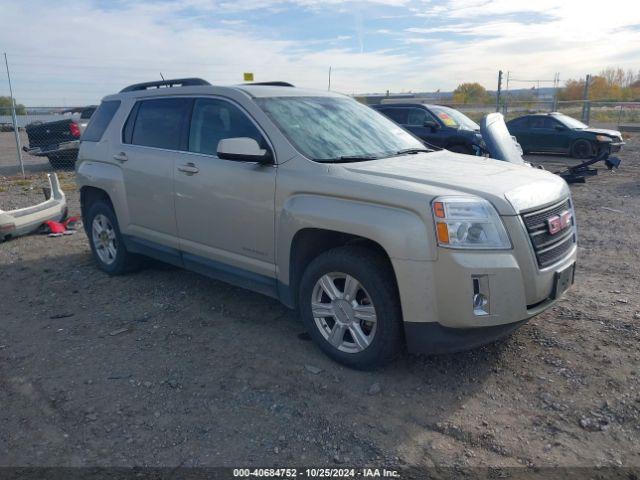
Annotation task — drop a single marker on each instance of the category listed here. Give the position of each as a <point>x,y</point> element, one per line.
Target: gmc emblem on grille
<point>559,222</point>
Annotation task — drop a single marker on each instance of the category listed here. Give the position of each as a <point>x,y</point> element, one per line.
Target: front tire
<point>105,239</point>
<point>582,149</point>
<point>349,304</point>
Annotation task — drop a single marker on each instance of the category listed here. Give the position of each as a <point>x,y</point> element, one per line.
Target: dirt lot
<point>165,367</point>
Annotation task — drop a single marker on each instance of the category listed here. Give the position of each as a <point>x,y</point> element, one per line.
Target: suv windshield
<point>570,122</point>
<point>454,118</point>
<point>337,129</point>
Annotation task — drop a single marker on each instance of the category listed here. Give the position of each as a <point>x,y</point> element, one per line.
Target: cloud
<point>475,38</point>
<point>76,52</point>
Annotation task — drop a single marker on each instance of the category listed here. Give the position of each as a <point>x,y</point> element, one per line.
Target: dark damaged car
<point>559,133</point>
<point>437,125</point>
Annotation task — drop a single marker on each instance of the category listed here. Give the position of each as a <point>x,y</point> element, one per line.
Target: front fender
<point>401,233</point>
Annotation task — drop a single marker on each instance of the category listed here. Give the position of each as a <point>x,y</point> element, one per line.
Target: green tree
<point>5,107</point>
<point>470,93</point>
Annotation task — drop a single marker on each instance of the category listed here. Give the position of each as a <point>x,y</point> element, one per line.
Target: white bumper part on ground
<point>27,220</point>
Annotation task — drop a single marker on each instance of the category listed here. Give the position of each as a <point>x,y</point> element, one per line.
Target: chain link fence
<point>47,138</point>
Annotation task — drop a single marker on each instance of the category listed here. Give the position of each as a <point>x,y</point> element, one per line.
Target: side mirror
<point>243,149</point>
<point>431,124</point>
<point>560,128</point>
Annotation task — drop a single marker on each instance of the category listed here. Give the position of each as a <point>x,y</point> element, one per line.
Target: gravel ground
<point>165,367</point>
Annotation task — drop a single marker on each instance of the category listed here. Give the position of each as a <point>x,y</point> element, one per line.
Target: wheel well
<point>88,195</point>
<point>308,243</point>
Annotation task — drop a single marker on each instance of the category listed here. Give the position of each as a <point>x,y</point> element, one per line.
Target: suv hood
<point>510,188</point>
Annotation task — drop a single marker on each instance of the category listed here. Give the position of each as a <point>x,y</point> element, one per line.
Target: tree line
<point>611,84</point>
<point>5,107</point>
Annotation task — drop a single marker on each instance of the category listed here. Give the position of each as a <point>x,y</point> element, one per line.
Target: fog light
<point>480,299</point>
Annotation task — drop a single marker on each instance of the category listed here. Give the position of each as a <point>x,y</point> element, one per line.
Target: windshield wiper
<point>411,151</point>
<point>348,158</point>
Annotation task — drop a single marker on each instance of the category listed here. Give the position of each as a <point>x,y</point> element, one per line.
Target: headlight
<point>468,222</point>
<point>603,138</point>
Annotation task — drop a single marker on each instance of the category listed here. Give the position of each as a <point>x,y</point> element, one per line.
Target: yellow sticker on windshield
<point>448,121</point>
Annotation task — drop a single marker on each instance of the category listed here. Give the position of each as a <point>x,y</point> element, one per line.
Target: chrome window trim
<point>195,97</point>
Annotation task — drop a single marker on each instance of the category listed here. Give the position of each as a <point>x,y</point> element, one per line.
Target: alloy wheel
<point>104,239</point>
<point>343,312</point>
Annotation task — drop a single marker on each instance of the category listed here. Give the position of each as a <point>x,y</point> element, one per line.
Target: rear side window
<point>100,121</point>
<point>159,123</point>
<point>214,120</point>
<point>398,115</point>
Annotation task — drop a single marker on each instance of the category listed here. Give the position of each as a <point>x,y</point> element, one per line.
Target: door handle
<point>121,157</point>
<point>189,169</point>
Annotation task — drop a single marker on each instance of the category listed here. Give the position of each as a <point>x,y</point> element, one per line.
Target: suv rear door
<point>225,208</point>
<point>156,130</point>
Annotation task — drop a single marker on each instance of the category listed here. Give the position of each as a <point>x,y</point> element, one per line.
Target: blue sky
<point>68,52</point>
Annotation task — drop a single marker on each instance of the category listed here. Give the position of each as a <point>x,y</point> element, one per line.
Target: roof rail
<point>177,82</point>
<point>271,84</point>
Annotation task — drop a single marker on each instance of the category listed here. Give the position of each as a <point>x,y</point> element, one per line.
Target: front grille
<point>549,248</point>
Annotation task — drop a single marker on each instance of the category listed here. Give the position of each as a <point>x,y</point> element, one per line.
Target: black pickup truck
<point>58,140</point>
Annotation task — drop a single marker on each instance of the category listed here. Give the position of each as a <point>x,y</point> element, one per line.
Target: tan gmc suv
<point>328,206</point>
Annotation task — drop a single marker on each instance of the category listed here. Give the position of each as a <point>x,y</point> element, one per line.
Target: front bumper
<point>433,338</point>
<point>612,147</point>
<point>615,147</point>
<point>437,296</point>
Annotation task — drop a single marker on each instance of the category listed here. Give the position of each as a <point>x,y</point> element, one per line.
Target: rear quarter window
<point>100,121</point>
<point>159,123</point>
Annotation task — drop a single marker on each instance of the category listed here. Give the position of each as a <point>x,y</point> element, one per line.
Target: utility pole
<point>13,117</point>
<point>585,97</point>
<point>507,96</point>
<point>329,87</point>
<point>499,90</point>
<point>556,85</point>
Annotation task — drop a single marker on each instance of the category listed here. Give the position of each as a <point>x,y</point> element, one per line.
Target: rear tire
<point>582,149</point>
<point>105,239</point>
<point>361,327</point>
